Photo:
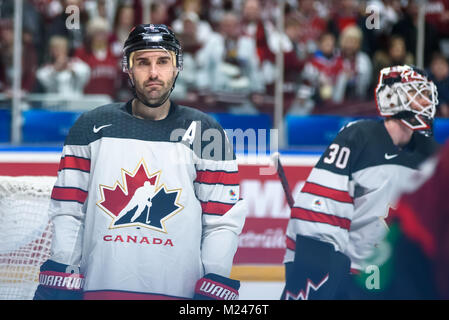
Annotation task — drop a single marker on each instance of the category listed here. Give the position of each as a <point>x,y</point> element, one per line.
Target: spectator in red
<point>122,25</point>
<point>312,24</point>
<point>58,25</point>
<point>345,14</point>
<point>62,74</point>
<point>261,31</point>
<point>251,17</point>
<point>159,11</point>
<point>191,13</point>
<point>293,54</point>
<point>257,28</point>
<point>357,74</point>
<point>29,58</point>
<point>322,70</point>
<point>102,8</point>
<point>229,64</point>
<point>294,60</point>
<point>33,22</point>
<point>439,74</point>
<point>396,54</point>
<point>437,14</point>
<point>268,42</point>
<point>407,27</point>
<point>189,36</point>
<point>105,76</point>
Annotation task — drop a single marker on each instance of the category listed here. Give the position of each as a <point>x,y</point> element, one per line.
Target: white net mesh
<point>25,234</point>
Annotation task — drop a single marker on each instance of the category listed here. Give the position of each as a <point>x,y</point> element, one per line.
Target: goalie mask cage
<point>25,234</point>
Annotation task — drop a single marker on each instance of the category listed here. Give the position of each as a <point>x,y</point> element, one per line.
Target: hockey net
<point>25,232</point>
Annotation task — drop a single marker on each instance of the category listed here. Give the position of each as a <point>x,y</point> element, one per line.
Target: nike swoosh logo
<point>96,130</point>
<point>390,156</point>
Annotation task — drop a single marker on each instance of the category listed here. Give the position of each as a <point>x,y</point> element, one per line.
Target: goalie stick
<point>281,174</point>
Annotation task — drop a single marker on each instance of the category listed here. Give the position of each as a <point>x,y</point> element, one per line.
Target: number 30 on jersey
<point>338,156</point>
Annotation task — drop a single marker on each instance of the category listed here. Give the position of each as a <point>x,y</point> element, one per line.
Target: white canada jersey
<point>146,208</point>
<point>350,191</point>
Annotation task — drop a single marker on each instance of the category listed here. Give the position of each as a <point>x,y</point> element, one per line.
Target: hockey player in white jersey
<point>338,217</point>
<point>140,209</point>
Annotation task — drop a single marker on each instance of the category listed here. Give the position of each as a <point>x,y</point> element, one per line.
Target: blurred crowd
<point>332,55</point>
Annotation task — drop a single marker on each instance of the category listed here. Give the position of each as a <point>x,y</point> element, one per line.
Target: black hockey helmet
<point>151,36</point>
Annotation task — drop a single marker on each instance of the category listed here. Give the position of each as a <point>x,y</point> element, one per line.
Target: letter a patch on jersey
<point>139,200</point>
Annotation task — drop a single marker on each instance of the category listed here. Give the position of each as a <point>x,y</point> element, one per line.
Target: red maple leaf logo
<point>114,199</point>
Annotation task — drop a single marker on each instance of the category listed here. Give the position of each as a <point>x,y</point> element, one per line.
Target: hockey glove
<point>59,281</point>
<point>317,271</point>
<point>215,287</point>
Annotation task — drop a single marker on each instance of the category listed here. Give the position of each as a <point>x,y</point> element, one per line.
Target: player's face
<point>421,99</point>
<point>153,73</point>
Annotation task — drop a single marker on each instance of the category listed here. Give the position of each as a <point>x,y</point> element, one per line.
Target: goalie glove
<point>317,273</point>
<point>59,281</point>
<point>215,287</point>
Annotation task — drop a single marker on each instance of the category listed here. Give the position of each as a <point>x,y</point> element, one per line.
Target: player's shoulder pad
<point>191,114</point>
<point>101,111</point>
<point>205,135</point>
<point>78,133</point>
<point>358,130</point>
<point>341,154</point>
<point>356,135</point>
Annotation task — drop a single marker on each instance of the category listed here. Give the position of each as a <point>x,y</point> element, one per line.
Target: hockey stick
<point>281,174</point>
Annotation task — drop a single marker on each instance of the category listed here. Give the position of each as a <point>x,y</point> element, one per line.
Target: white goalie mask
<point>405,93</point>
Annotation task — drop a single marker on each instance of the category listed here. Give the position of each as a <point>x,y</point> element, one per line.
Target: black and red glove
<point>318,272</point>
<point>59,281</point>
<point>215,287</point>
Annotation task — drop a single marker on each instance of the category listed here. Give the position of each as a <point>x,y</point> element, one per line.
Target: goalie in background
<point>338,218</point>
<point>417,264</point>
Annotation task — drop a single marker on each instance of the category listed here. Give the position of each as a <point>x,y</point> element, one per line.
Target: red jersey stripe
<point>334,194</point>
<point>218,177</point>
<point>72,162</point>
<point>355,271</point>
<point>69,194</point>
<point>290,243</point>
<point>216,208</point>
<point>313,216</point>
